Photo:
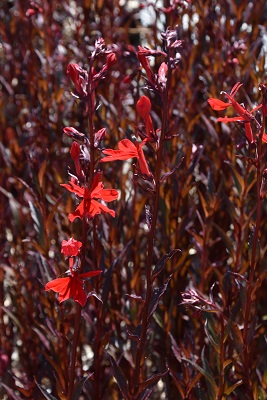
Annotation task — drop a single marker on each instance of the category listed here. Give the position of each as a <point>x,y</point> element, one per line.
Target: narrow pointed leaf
<point>79,387</point>
<point>157,293</point>
<point>161,263</point>
<point>47,395</point>
<point>119,376</point>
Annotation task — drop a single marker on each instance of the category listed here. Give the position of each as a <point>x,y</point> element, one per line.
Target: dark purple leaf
<point>161,263</point>
<point>119,376</point>
<point>156,295</point>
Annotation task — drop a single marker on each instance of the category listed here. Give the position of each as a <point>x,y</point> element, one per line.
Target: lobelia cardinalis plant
<point>140,385</point>
<point>85,183</point>
<point>253,155</point>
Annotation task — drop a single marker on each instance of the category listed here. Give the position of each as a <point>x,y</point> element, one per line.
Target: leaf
<point>226,363</point>
<point>226,239</point>
<point>203,372</point>
<point>13,318</point>
<point>210,337</point>
<point>232,388</point>
<point>212,387</point>
<point>135,297</point>
<point>11,392</point>
<point>148,217</point>
<point>176,350</point>
<point>156,295</point>
<point>41,174</point>
<point>161,263</point>
<point>239,181</point>
<point>47,395</point>
<point>119,376</point>
<point>151,381</point>
<point>79,387</point>
<point>51,216</point>
<point>165,176</point>
<point>38,221</point>
<point>177,383</point>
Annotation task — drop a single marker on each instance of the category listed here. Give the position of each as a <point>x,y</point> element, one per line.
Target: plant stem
<point>74,350</point>
<point>253,263</point>
<point>140,349</point>
<point>221,381</point>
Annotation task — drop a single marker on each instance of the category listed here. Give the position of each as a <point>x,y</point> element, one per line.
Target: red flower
<point>244,116</point>
<point>71,247</point>
<point>143,107</point>
<point>72,286</point>
<point>89,207</point>
<point>127,150</point>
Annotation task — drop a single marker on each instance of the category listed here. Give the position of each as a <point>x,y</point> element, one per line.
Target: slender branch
<point>253,263</point>
<point>151,238</point>
<point>74,350</point>
<point>221,381</point>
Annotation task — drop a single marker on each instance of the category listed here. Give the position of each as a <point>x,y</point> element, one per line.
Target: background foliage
<point>207,207</point>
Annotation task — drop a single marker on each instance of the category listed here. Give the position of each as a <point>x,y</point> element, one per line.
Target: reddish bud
<point>163,70</point>
<point>99,136</point>
<point>75,151</point>
<point>248,132</point>
<point>78,77</point>
<point>73,133</point>
<point>111,60</point>
<point>143,106</point>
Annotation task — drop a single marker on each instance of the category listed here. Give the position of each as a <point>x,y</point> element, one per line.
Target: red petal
<point>108,194</point>
<point>218,104</point>
<point>126,150</point>
<point>77,291</point>
<point>58,285</point>
<point>73,188</point>
<point>90,274</point>
<point>226,119</point>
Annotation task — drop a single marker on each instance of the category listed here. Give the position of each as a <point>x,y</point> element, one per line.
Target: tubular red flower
<point>89,207</point>
<point>71,287</point>
<point>244,115</point>
<point>128,150</point>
